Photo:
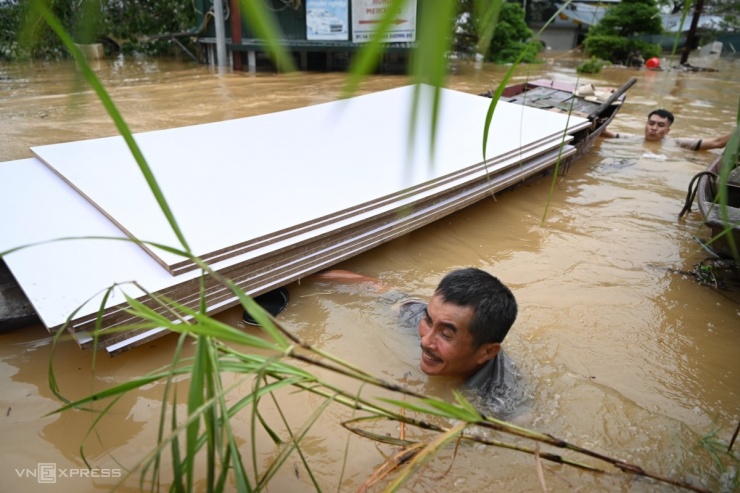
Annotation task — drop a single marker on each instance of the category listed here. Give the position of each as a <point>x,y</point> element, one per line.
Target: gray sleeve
<point>410,313</point>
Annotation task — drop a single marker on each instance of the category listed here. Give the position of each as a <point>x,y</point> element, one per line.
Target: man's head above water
<point>465,322</point>
<point>658,124</point>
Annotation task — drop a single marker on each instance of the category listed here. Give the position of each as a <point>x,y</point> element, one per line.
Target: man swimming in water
<point>659,124</point>
<point>461,328</point>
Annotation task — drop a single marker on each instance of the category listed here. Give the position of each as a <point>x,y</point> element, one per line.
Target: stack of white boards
<point>264,200</point>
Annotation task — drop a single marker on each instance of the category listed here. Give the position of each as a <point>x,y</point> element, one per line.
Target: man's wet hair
<point>494,305</point>
<point>663,114</point>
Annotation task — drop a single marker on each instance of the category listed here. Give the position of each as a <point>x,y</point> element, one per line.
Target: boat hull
<point>723,223</point>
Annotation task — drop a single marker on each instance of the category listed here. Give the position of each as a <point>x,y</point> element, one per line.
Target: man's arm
<point>714,143</point>
<point>349,277</point>
<point>608,134</point>
<point>703,144</point>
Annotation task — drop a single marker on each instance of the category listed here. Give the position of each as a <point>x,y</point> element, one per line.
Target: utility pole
<point>218,19</point>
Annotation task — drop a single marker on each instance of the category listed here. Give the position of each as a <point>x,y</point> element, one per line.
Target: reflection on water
<point>619,352</point>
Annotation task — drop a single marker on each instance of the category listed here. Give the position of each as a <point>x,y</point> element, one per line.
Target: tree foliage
<point>22,37</point>
<point>512,36</point>
<point>505,42</point>
<point>135,20</point>
<point>89,21</point>
<point>615,37</point>
<point>729,10</point>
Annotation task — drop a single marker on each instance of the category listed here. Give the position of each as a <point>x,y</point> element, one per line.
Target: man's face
<point>656,128</point>
<point>446,341</point>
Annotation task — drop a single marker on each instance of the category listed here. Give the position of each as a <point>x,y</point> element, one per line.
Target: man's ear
<point>487,351</point>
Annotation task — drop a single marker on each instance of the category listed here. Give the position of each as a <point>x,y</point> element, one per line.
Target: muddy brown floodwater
<point>619,351</point>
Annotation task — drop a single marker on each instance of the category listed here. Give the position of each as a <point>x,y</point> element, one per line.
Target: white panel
<point>231,182</point>
<point>59,276</point>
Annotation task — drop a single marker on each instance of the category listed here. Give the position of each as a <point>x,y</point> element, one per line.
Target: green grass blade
<point>123,388</point>
<point>294,443</point>
<point>495,98</point>
<point>40,8</point>
<point>429,61</point>
<point>487,13</point>
<point>200,373</point>
<point>179,475</point>
<point>266,28</point>
<point>367,58</point>
<point>439,408</point>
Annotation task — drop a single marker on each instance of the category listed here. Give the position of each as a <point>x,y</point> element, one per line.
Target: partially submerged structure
<point>319,34</point>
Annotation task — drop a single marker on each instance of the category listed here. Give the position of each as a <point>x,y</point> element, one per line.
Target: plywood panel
<point>289,272</point>
<point>61,276</point>
<point>235,182</point>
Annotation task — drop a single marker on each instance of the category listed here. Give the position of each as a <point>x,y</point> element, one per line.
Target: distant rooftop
<point>588,13</point>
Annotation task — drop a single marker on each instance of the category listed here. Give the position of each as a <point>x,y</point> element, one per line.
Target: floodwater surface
<point>620,350</point>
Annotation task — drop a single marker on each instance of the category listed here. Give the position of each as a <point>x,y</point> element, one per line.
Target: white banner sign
<point>327,19</point>
<point>367,14</point>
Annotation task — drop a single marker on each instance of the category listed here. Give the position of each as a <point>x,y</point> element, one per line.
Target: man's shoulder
<point>490,377</point>
<point>496,387</point>
<point>411,311</point>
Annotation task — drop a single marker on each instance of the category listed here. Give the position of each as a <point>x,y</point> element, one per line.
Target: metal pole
<point>236,34</point>
<point>218,19</point>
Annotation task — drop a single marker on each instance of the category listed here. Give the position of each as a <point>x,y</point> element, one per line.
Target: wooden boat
<point>708,202</point>
<point>564,97</point>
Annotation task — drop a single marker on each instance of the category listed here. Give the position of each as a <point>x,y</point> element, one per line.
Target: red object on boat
<point>653,63</point>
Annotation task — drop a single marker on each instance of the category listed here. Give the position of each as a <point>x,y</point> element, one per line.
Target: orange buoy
<point>653,63</point>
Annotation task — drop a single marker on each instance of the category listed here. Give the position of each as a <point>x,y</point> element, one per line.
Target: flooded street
<point>620,350</point>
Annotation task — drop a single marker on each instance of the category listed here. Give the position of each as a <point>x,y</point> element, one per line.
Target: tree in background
<point>14,15</point>
<point>141,23</point>
<point>512,37</point>
<point>615,37</point>
<point>508,39</point>
<point>91,21</point>
<point>730,12</point>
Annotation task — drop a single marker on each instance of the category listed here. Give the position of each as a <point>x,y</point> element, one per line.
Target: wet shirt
<point>492,386</point>
<point>686,143</point>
